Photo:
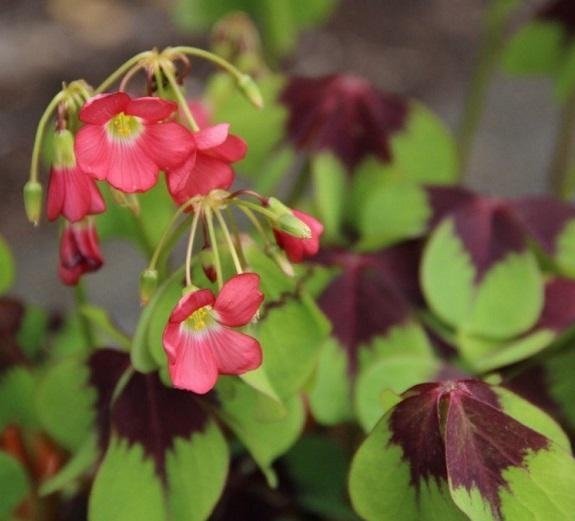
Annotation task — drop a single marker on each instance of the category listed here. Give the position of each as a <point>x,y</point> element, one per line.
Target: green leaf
<point>565,249</point>
<point>425,151</point>
<point>565,80</point>
<point>380,484</point>
<point>486,355</point>
<point>70,340</point>
<point>509,298</point>
<point>291,336</point>
<point>536,48</point>
<point>330,393</point>
<point>7,268</point>
<point>100,318</point>
<point>196,470</point>
<point>126,487</point>
<point>65,403</point>
<point>447,275</point>
<point>330,188</point>
<point>13,484</point>
<point>32,334</point>
<point>318,468</point>
<point>17,387</point>
<point>78,465</point>
<point>267,428</point>
<point>395,209</point>
<point>559,374</point>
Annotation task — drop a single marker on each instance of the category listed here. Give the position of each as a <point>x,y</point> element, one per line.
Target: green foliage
<point>32,334</point>
<point>17,388</point>
<point>65,403</point>
<point>7,269</point>
<point>13,484</point>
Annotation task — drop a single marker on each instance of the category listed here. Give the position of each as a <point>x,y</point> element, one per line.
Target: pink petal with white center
<point>194,367</point>
<point>167,144</point>
<point>172,339</point>
<point>129,168</point>
<point>239,300</point>
<point>190,303</point>
<point>231,150</point>
<point>151,109</point>
<point>206,175</point>
<point>234,352</point>
<point>211,137</point>
<point>91,148</point>
<point>100,109</point>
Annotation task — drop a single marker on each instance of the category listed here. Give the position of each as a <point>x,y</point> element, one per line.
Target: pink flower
<point>127,141</point>
<point>71,193</point>
<point>344,114</point>
<point>79,251</point>
<point>295,248</point>
<point>208,166</point>
<point>199,340</point>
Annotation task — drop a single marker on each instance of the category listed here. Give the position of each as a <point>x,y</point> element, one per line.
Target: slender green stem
<point>229,240</point>
<point>128,76</point>
<point>257,225</point>
<point>181,99</point>
<point>214,58</point>
<point>159,83</point>
<point>492,43</point>
<point>121,70</point>
<point>40,131</point>
<point>190,248</point>
<point>121,384</point>
<point>562,171</point>
<point>237,238</point>
<point>256,207</point>
<point>215,248</point>
<point>164,237</point>
<point>80,300</point>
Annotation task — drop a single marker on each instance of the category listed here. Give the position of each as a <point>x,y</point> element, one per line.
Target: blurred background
<point>419,48</point>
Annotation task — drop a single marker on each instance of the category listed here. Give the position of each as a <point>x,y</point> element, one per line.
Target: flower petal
<point>151,109</point>
<point>91,148</point>
<point>206,174</point>
<point>190,303</point>
<point>194,367</point>
<point>234,352</point>
<point>100,109</point>
<point>167,144</point>
<point>231,150</point>
<point>239,300</point>
<point>211,137</point>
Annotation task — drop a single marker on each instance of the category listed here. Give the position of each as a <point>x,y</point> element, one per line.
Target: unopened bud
<point>148,285</point>
<point>286,221</point>
<point>33,201</point>
<point>250,90</point>
<point>63,146</point>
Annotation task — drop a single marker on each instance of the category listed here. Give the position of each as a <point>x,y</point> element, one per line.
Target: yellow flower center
<point>123,125</point>
<point>200,319</point>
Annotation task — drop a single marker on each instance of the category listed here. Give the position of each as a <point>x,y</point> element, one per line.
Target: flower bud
<point>63,146</point>
<point>148,285</point>
<point>250,90</point>
<point>286,221</point>
<point>33,201</point>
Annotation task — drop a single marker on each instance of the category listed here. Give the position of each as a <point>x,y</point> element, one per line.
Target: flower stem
<point>492,42</point>
<point>81,300</point>
<point>181,99</point>
<point>190,248</point>
<point>40,131</point>
<point>257,225</point>
<point>121,70</point>
<point>562,172</point>
<point>256,207</point>
<point>215,247</point>
<point>231,245</point>
<point>206,55</point>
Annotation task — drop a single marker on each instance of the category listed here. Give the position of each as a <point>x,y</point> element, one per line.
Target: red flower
<point>295,248</point>
<point>199,340</point>
<point>79,251</point>
<point>127,141</point>
<point>208,166</point>
<point>71,193</point>
<point>344,114</point>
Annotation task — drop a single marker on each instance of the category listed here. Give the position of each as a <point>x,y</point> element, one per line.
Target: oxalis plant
<point>415,365</point>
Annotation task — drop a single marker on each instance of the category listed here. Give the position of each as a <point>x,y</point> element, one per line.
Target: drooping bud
<point>148,285</point>
<point>33,201</point>
<point>250,90</point>
<point>207,261</point>
<point>63,149</point>
<point>286,221</point>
